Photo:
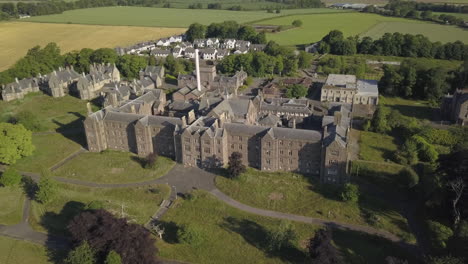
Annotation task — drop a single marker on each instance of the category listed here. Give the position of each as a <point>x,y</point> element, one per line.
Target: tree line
<point>418,81</point>
<point>225,30</point>
<point>392,44</point>
<point>421,11</point>
<point>275,59</point>
<point>41,61</point>
<point>12,10</point>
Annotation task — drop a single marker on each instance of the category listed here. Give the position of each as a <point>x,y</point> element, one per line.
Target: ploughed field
<point>18,38</point>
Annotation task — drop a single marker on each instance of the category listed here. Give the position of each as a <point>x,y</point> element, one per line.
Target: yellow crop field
<point>18,37</point>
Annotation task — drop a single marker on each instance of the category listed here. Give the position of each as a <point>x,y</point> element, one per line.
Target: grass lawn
<point>19,37</point>
<point>53,112</point>
<point>303,195</point>
<point>112,167</point>
<point>233,236</point>
<point>435,32</point>
<point>139,204</point>
<point>14,251</point>
<point>11,205</point>
<point>376,147</point>
<point>413,108</point>
<point>46,154</point>
<point>316,26</point>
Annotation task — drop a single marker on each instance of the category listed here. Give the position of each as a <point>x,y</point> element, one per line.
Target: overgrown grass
<point>53,113</point>
<point>138,205</point>
<point>376,147</point>
<point>412,108</point>
<point>11,205</point>
<point>112,167</point>
<point>304,195</point>
<point>233,236</point>
<point>50,149</point>
<point>17,251</point>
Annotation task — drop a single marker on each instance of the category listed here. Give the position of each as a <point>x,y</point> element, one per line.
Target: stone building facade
<point>455,107</point>
<point>348,89</point>
<point>209,140</point>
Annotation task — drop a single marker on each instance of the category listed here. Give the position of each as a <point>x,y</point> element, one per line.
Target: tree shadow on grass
<point>29,187</point>
<point>141,161</point>
<point>170,231</point>
<point>58,244</point>
<point>358,247</point>
<point>257,236</point>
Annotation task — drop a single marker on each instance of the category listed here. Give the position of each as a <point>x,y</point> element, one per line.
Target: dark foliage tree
<point>150,161</point>
<point>321,249</point>
<point>104,233</point>
<point>297,91</point>
<point>130,65</point>
<point>195,31</point>
<point>297,23</point>
<point>235,166</point>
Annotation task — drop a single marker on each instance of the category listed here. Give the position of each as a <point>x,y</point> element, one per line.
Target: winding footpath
<point>182,180</point>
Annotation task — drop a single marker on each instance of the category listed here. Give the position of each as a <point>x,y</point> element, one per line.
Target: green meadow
<point>315,26</point>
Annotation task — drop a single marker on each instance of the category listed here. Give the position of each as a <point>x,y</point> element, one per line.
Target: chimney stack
<point>197,68</point>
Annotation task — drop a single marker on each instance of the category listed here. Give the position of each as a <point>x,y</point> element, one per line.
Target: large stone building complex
<point>232,125</point>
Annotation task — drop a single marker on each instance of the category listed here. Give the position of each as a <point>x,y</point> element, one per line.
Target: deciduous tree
<point>16,142</point>
<point>235,166</point>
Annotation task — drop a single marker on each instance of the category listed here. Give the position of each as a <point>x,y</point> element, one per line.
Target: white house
<point>189,53</point>
<point>177,52</point>
<point>199,43</point>
<point>212,42</point>
<point>175,39</point>
<point>242,44</point>
<point>229,43</point>
<point>209,54</point>
<point>222,53</point>
<point>160,53</point>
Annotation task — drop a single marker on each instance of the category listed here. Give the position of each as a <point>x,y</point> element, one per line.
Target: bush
<point>281,237</point>
<point>113,258</point>
<point>297,23</point>
<point>408,178</point>
<point>150,161</point>
<point>28,120</point>
<point>83,254</point>
<point>439,234</point>
<point>10,177</point>
<point>350,193</point>
<point>189,234</point>
<point>235,166</point>
<point>47,189</point>
<point>366,125</point>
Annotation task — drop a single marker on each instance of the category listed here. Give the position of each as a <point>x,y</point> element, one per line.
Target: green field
<point>302,195</point>
<point>14,251</point>
<point>139,204</point>
<point>112,167</point>
<point>11,205</point>
<point>434,32</point>
<point>412,108</point>
<point>316,26</point>
<point>232,236</point>
<point>163,17</point>
<point>47,154</point>
<point>143,16</point>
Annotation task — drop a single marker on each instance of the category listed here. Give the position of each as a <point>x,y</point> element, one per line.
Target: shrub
<point>83,254</point>
<point>408,178</point>
<point>113,258</point>
<point>189,234</point>
<point>47,189</point>
<point>150,161</point>
<point>10,177</point>
<point>439,234</point>
<point>235,166</point>
<point>28,120</point>
<point>297,23</point>
<point>366,125</point>
<point>350,193</point>
<point>281,237</point>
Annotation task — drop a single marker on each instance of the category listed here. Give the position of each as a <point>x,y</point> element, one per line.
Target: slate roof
<point>368,87</point>
<point>341,80</point>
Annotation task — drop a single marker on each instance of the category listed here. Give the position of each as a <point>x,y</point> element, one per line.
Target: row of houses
<point>205,53</point>
<point>66,80</point>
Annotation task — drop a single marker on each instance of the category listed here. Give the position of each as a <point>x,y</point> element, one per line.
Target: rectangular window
<point>187,147</point>
<point>207,142</point>
<point>207,150</point>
